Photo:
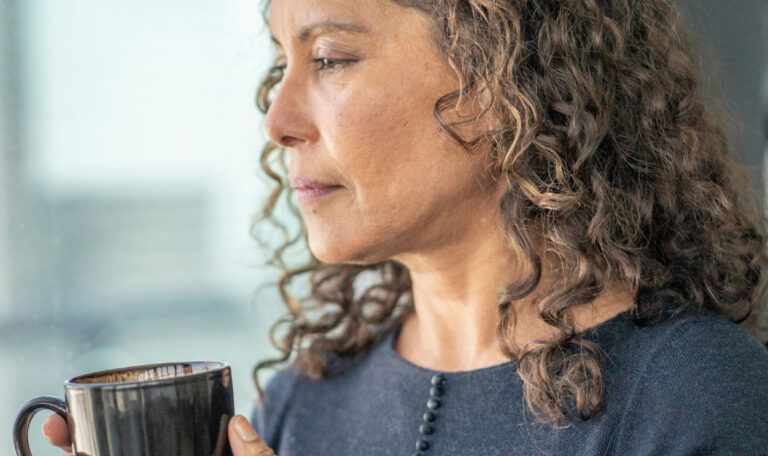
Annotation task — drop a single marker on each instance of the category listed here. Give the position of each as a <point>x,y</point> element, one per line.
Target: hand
<point>242,438</point>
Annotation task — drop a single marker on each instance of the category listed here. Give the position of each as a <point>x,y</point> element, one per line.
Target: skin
<point>363,120</point>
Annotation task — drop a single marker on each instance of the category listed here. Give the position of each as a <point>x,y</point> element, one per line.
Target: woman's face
<point>355,110</point>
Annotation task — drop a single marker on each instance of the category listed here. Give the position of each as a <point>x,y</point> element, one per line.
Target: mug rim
<point>220,369</point>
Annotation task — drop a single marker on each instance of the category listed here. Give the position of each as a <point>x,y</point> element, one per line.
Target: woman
<point>528,236</point>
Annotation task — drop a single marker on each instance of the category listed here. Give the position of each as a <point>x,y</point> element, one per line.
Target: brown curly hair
<point>617,164</point>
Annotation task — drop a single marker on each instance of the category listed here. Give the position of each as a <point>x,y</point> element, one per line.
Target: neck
<point>456,315</point>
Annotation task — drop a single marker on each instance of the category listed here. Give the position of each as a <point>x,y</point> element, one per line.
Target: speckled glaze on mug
<point>160,409</point>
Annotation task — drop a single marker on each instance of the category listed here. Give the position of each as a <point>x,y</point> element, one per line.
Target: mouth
<point>308,194</point>
<point>309,189</point>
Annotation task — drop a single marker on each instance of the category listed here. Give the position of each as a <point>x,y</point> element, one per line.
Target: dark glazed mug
<point>160,409</point>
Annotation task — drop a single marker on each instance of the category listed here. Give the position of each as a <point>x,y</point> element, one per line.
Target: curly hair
<point>618,165</point>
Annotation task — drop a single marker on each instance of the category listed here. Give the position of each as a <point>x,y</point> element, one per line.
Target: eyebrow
<point>325,26</point>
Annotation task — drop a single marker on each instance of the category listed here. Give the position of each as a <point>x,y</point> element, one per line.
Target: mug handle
<point>23,419</point>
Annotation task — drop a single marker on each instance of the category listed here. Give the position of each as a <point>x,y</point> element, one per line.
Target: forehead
<point>289,17</point>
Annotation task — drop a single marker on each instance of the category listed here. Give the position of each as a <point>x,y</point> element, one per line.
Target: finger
<point>55,430</point>
<point>244,440</point>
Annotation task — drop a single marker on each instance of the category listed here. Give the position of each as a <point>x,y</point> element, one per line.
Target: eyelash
<point>335,64</point>
<point>320,61</point>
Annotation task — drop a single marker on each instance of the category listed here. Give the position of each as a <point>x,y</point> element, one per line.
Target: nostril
<point>289,141</point>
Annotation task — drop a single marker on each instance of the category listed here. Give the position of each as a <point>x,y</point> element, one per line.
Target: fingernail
<point>245,430</point>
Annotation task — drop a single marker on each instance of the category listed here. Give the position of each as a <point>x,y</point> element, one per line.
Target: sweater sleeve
<point>704,391</point>
<point>268,415</point>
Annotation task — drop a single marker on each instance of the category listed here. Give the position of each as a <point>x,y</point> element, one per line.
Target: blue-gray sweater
<point>682,386</point>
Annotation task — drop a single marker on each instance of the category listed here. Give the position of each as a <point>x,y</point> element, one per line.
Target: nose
<point>289,121</point>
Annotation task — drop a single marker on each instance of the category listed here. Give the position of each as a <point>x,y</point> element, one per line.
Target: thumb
<point>244,440</point>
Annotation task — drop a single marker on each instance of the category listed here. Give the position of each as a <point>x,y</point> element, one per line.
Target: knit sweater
<point>687,385</point>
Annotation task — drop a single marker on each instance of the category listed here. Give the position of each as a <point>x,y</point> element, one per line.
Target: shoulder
<point>269,413</point>
<point>702,387</point>
<point>705,345</point>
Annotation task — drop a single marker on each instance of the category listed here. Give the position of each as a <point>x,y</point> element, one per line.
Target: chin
<point>336,252</point>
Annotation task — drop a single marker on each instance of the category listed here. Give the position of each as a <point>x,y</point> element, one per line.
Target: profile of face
<point>355,110</point>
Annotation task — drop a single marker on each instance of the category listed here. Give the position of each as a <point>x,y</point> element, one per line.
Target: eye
<point>324,63</point>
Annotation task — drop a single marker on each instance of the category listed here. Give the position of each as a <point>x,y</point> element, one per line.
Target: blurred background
<point>128,177</point>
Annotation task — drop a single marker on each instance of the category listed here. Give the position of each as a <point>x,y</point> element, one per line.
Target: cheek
<point>383,136</point>
<point>374,111</point>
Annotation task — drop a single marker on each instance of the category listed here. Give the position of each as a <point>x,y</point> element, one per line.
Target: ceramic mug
<point>160,409</point>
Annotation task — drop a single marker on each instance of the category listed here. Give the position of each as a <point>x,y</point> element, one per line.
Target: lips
<point>311,189</point>
<point>306,183</point>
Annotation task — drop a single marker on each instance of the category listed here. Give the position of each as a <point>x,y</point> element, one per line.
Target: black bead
<point>438,379</point>
<point>422,445</point>
<point>436,391</point>
<point>417,454</point>
<point>432,404</point>
<point>429,416</point>
<point>425,429</point>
